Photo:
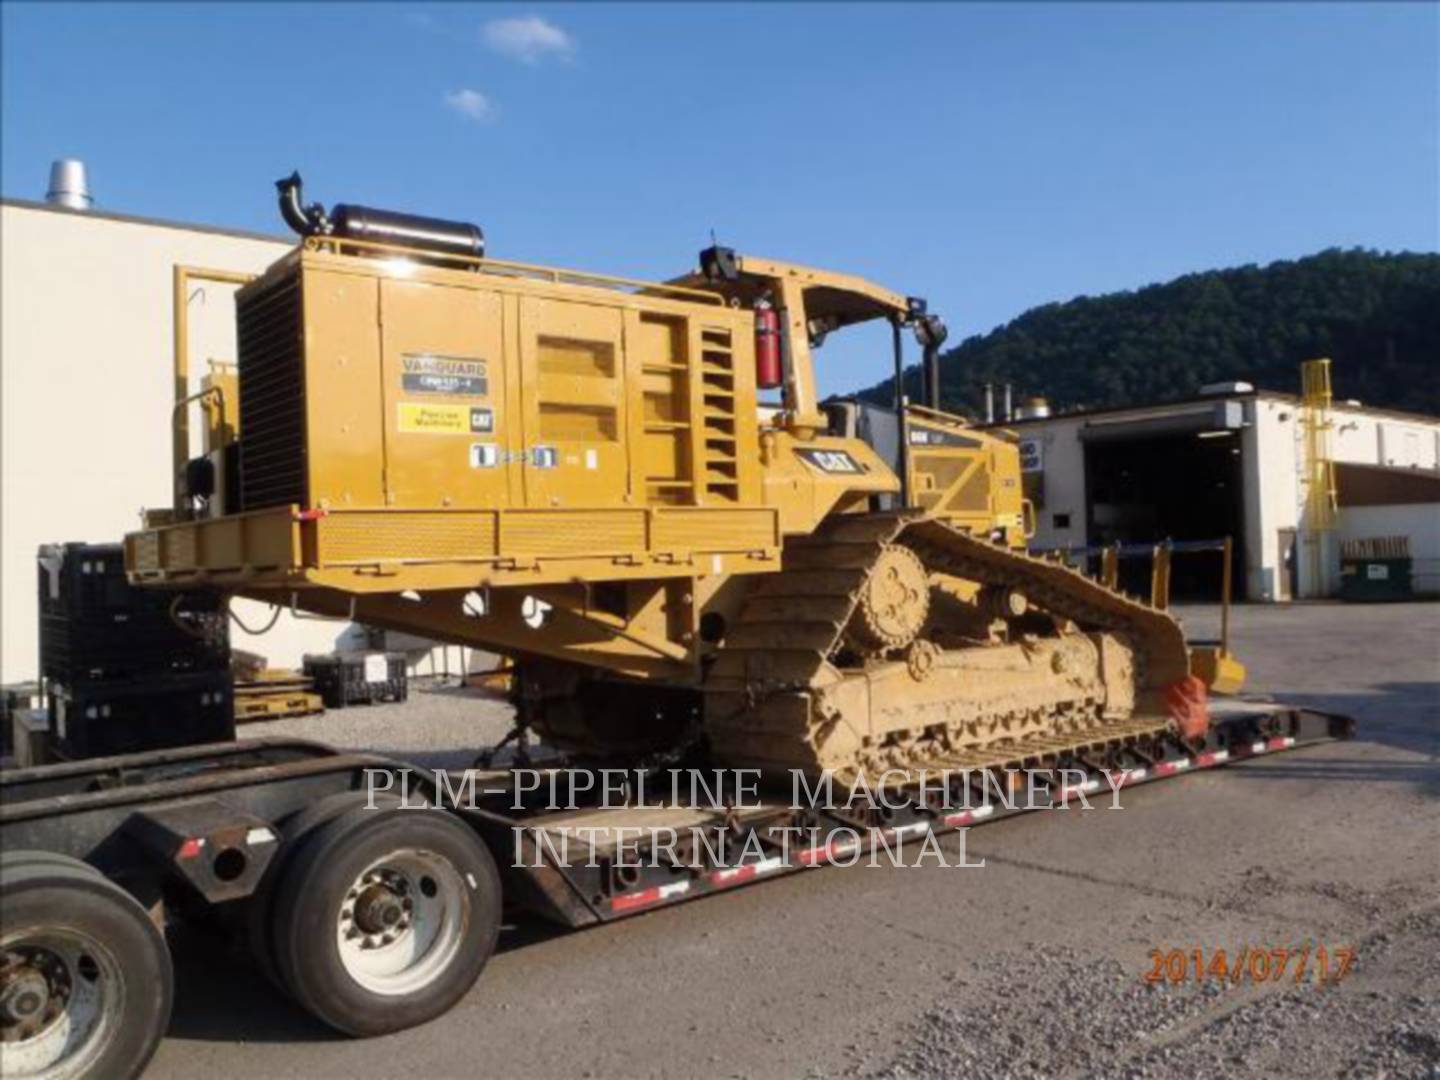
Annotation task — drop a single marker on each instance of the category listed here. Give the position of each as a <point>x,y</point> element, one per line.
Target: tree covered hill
<point>1376,315</point>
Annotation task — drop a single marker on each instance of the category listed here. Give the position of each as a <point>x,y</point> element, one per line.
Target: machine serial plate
<point>427,373</point>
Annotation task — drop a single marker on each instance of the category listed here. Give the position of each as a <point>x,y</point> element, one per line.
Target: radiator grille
<point>272,396</point>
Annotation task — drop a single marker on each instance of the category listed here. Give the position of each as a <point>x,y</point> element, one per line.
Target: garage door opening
<point>1169,487</point>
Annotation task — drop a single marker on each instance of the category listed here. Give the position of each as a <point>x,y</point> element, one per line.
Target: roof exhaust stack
<point>68,186</point>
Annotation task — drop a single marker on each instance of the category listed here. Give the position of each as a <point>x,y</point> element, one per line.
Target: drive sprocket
<point>892,604</point>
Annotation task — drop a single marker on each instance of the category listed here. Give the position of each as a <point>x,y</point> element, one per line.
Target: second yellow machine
<point>632,489</point>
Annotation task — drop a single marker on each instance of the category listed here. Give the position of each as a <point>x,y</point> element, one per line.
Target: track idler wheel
<point>893,604</point>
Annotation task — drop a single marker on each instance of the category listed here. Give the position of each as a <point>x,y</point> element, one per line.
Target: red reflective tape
<point>1165,768</point>
<point>634,900</point>
<point>734,875</point>
<point>191,848</point>
<point>311,515</point>
<point>957,819</point>
<point>1277,744</point>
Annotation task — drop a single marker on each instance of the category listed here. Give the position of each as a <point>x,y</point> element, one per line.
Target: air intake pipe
<point>348,222</point>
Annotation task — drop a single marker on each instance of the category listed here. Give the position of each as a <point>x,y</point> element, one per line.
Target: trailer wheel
<point>385,918</point>
<point>9,859</point>
<point>293,832</point>
<point>85,977</point>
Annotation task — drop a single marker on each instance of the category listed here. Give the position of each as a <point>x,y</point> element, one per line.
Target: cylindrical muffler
<point>407,230</point>
<point>377,226</point>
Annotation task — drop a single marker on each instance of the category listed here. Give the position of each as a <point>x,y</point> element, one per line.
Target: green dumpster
<point>1375,579</point>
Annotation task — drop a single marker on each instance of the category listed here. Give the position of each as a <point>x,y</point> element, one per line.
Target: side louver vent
<point>272,396</point>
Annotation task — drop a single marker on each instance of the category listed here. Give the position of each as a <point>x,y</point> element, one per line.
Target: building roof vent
<point>1224,389</point>
<point>1033,408</point>
<point>68,186</point>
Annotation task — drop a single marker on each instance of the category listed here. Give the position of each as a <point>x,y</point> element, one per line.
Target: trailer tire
<point>293,832</point>
<point>385,919</point>
<point>77,946</point>
<point>34,857</point>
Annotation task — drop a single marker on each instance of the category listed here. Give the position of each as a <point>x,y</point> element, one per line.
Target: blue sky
<point>989,157</point>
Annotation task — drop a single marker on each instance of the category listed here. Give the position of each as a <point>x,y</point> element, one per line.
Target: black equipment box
<point>128,669</point>
<point>96,719</point>
<point>95,626</point>
<point>343,679</point>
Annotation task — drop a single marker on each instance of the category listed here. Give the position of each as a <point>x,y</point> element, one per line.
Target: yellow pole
<point>1110,566</point>
<point>1225,600</point>
<point>180,422</point>
<point>1160,577</point>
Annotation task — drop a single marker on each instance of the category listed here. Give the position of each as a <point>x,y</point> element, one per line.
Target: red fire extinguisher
<point>767,347</point>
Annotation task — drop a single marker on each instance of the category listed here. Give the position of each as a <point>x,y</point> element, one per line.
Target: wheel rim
<point>60,994</point>
<point>402,921</point>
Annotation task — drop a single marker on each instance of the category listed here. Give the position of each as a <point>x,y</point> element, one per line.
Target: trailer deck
<point>266,840</point>
<point>97,811</point>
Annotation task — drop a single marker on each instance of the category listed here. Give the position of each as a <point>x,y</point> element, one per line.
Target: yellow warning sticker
<point>418,419</point>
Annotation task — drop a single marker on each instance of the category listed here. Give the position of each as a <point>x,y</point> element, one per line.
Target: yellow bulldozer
<point>634,491</point>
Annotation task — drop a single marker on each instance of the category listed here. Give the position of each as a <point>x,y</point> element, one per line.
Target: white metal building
<point>85,373</point>
<point>1234,463</point>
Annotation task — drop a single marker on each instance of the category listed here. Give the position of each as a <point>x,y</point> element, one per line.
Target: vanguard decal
<point>427,373</point>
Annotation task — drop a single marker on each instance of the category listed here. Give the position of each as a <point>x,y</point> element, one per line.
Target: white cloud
<point>529,39</point>
<point>472,104</point>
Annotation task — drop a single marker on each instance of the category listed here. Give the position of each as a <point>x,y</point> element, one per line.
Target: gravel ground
<point>1086,1014</point>
<point>441,727</point>
<point>1030,967</point>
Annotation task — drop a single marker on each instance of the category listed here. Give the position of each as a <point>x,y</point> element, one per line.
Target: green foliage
<point>1376,315</point>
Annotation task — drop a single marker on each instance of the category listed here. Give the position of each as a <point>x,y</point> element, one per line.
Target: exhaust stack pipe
<point>305,220</point>
<point>348,222</point>
<point>930,332</point>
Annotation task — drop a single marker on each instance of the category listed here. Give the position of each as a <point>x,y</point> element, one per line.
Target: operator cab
<point>875,425</point>
<point>796,308</point>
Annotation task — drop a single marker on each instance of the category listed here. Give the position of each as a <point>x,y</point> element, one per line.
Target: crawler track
<point>786,692</point>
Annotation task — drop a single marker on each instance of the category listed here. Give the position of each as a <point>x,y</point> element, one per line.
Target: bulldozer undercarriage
<point>893,643</point>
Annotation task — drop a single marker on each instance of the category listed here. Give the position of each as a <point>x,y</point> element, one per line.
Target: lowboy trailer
<point>375,916</point>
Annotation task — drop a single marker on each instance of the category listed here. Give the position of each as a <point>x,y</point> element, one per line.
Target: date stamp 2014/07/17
<point>1321,964</point>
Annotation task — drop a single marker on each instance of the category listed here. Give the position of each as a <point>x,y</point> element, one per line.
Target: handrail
<point>1179,547</point>
<point>1111,554</point>
<point>180,425</point>
<point>924,412</point>
<point>506,268</point>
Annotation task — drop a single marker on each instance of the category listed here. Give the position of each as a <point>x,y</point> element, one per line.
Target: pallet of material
<point>275,695</point>
<point>276,706</point>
